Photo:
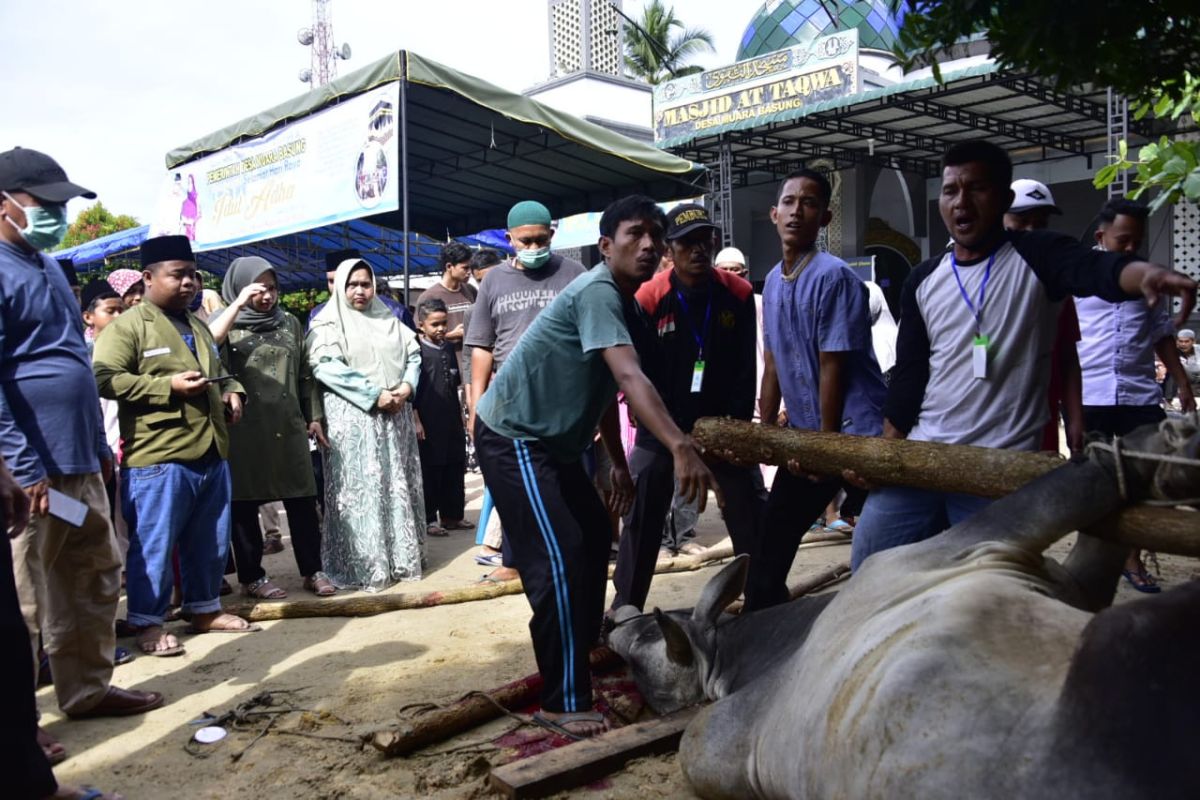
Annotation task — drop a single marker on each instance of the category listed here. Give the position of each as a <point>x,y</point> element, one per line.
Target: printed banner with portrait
<point>338,164</point>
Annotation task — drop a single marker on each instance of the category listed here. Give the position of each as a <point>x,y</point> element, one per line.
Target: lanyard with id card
<point>979,343</point>
<point>698,367</point>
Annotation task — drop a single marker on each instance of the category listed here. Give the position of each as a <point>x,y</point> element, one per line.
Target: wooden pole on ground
<point>367,605</point>
<point>940,467</point>
<point>583,762</point>
<point>443,723</point>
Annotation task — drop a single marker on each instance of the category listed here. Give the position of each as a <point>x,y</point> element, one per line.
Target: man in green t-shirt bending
<point>532,426</point>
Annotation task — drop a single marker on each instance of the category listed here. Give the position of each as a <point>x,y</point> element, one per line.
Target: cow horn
<point>679,647</point>
<point>722,590</point>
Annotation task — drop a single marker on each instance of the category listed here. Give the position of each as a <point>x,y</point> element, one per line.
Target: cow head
<point>1178,438</point>
<point>671,654</point>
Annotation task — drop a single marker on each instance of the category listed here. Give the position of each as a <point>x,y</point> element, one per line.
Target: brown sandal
<point>263,589</point>
<point>319,584</point>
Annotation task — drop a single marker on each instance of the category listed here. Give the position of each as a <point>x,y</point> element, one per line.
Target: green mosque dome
<point>784,23</point>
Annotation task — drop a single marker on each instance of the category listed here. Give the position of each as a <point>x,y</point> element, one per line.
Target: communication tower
<point>325,53</point>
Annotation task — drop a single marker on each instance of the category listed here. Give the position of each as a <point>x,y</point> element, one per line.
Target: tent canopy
<point>475,149</point>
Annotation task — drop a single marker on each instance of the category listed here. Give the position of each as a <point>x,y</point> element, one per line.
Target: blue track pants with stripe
<point>559,533</point>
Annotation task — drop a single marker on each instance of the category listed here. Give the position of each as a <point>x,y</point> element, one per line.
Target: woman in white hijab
<point>367,364</point>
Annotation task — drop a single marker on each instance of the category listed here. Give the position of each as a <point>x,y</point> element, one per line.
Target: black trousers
<point>445,493</point>
<point>653,472</point>
<point>794,504</point>
<point>559,533</point>
<point>248,539</point>
<point>26,771</point>
<point>1120,420</point>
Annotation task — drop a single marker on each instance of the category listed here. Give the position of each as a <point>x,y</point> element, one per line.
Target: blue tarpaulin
<point>298,257</point>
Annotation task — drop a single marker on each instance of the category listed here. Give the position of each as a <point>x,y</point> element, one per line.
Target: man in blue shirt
<point>67,567</point>
<point>532,425</point>
<point>818,353</point>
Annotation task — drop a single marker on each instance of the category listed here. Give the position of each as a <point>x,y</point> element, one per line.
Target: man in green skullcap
<point>514,293</point>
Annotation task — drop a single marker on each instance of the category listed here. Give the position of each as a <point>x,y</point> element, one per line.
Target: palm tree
<point>655,52</point>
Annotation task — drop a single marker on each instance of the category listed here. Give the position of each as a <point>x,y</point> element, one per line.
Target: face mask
<point>45,226</point>
<point>534,259</point>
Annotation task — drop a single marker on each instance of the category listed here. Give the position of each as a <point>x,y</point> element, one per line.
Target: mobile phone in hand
<point>218,378</point>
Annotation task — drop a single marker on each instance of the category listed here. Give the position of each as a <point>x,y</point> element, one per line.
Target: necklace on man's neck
<point>800,265</point>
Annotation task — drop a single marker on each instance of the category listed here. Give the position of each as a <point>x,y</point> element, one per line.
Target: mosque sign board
<point>757,90</point>
<point>337,164</point>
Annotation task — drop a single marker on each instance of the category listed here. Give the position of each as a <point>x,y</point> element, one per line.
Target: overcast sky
<point>107,88</point>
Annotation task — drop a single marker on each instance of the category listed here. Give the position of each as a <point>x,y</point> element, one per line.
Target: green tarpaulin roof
<point>476,149</point>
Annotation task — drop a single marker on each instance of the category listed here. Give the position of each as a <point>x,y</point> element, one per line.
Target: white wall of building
<point>584,96</point>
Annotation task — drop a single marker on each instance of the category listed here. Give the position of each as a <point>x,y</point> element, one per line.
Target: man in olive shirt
<point>161,363</point>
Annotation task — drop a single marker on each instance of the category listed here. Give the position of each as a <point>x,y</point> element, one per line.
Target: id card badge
<point>979,359</point>
<point>697,376</point>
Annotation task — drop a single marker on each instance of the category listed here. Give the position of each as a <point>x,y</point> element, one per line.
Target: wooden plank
<point>591,759</point>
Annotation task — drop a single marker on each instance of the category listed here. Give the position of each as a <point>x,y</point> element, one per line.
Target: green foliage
<point>1135,47</point>
<point>1146,50</point>
<point>655,52</point>
<point>303,301</point>
<point>1170,165</point>
<point>94,223</point>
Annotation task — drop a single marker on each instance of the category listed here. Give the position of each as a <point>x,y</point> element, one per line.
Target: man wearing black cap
<point>332,261</point>
<point>161,364</point>
<point>705,367</point>
<point>67,566</point>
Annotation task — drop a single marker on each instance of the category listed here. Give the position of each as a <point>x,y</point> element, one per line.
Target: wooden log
<point>367,605</point>
<point>980,471</point>
<point>589,760</point>
<point>470,712</point>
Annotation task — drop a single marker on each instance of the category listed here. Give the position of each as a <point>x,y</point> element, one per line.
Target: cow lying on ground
<point>965,666</point>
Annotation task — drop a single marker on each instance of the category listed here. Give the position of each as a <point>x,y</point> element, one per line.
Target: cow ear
<point>679,647</point>
<point>722,590</point>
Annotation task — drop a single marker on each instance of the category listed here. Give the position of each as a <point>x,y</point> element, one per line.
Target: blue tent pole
<point>404,170</point>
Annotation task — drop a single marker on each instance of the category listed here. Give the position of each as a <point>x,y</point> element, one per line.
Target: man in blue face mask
<point>513,295</point>
<point>67,565</point>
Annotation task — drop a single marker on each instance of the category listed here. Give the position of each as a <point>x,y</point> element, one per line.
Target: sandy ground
<point>352,674</point>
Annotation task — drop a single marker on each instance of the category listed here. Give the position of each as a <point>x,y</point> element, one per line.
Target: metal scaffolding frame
<point>910,129</point>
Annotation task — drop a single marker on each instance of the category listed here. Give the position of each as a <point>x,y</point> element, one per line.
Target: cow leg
<point>1095,565</point>
<point>1125,724</point>
<point>715,750</point>
<point>1043,511</point>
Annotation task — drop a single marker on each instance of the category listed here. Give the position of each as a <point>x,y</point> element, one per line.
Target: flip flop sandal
<point>121,656</point>
<point>840,526</point>
<point>92,793</point>
<point>149,648</point>
<point>1141,580</point>
<point>461,525</point>
<point>559,725</point>
<point>490,560</point>
<point>436,531</point>
<point>53,755</point>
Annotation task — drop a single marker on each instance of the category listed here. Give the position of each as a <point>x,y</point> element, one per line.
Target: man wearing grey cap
<point>67,565</point>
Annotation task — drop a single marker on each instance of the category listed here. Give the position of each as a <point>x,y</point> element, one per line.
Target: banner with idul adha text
<point>738,95</point>
<point>338,164</point>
